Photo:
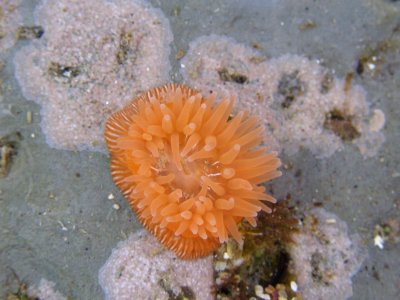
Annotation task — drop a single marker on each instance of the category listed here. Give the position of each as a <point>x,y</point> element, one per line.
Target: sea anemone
<point>190,169</point>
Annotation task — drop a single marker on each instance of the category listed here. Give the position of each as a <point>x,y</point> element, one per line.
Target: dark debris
<point>29,32</point>
<point>61,71</point>
<point>8,149</point>
<point>341,125</point>
<point>186,293</point>
<point>373,58</point>
<point>317,273</point>
<point>125,39</point>
<point>327,82</point>
<point>290,87</point>
<point>230,75</point>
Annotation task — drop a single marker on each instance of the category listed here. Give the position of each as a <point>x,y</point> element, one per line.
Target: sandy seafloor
<point>58,223</point>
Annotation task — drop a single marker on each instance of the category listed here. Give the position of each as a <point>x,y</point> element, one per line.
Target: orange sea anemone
<point>190,169</point>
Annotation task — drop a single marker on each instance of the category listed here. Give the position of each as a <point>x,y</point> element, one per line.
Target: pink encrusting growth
<point>161,275</point>
<point>292,95</point>
<point>93,57</point>
<point>10,19</point>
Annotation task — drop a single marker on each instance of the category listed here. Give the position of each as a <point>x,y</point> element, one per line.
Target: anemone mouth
<point>188,179</point>
<point>189,168</point>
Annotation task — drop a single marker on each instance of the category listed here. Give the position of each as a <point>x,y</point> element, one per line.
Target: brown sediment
<point>257,59</point>
<point>308,24</point>
<point>341,124</point>
<point>348,80</point>
<point>256,45</point>
<point>180,53</point>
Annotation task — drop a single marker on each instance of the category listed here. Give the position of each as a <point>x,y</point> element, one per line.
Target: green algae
<point>263,261</point>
